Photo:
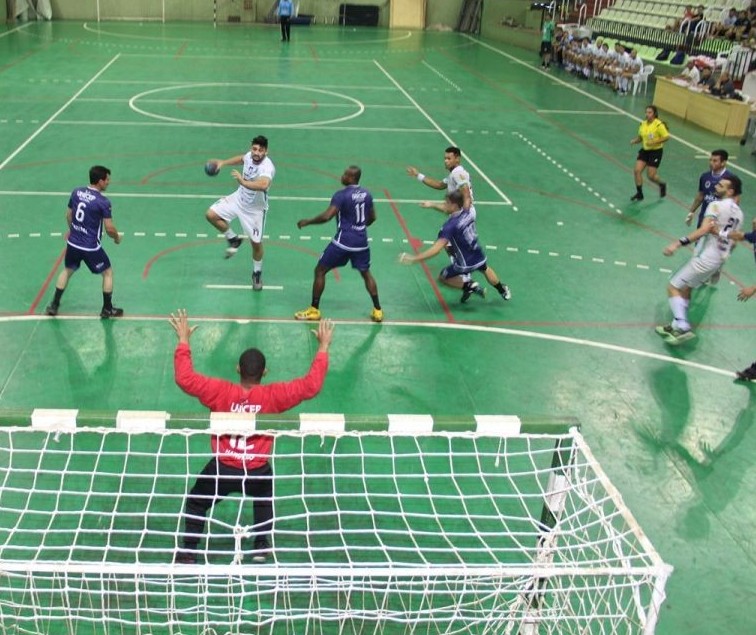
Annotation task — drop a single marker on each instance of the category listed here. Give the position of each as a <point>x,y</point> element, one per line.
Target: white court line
<point>208,124</point>
<point>57,112</point>
<point>562,339</point>
<point>442,76</point>
<point>446,136</point>
<point>220,102</point>
<point>246,287</point>
<point>617,109</point>
<point>307,199</point>
<point>579,112</point>
<point>177,83</point>
<point>18,28</point>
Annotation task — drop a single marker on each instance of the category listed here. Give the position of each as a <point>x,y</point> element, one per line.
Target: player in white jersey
<point>711,251</point>
<point>249,203</point>
<point>458,179</point>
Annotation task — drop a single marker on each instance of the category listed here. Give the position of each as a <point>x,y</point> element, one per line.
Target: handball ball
<point>211,168</point>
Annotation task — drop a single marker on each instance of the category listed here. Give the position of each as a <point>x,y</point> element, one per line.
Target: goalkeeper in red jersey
<point>241,463</point>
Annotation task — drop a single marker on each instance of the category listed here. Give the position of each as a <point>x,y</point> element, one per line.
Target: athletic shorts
<point>252,221</point>
<point>97,261</point>
<point>651,157</point>
<point>334,257</point>
<point>546,47</point>
<point>693,274</point>
<point>452,271</point>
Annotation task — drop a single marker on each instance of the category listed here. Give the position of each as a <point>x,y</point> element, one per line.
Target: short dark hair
<point>261,141</point>
<point>252,364</point>
<point>456,198</point>
<point>454,150</point>
<point>736,185</point>
<point>722,154</point>
<point>355,172</point>
<point>98,173</point>
<point>655,110</point>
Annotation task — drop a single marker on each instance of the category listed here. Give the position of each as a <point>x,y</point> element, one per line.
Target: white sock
<point>256,265</point>
<point>679,306</point>
<point>229,234</point>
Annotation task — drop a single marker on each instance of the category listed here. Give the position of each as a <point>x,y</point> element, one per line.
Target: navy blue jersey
<point>88,209</point>
<point>354,204</point>
<point>462,235</point>
<point>706,186</point>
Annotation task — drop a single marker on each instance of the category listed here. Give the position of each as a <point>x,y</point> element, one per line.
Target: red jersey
<point>221,395</point>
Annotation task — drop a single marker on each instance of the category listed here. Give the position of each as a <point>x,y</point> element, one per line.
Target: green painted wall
<point>443,13</point>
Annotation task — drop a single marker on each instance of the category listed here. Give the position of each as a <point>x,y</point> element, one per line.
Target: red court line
<point>46,283</point>
<point>191,245</point>
<point>415,243</point>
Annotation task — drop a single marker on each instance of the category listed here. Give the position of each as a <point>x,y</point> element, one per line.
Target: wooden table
<point>727,117</point>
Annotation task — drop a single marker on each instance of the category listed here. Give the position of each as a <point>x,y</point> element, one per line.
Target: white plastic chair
<point>642,78</point>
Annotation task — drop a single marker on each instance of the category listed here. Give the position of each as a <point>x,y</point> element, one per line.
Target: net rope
<point>374,533</point>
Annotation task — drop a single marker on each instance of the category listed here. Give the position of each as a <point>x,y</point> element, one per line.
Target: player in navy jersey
<point>354,212</point>
<point>707,184</point>
<point>460,236</point>
<point>87,214</point>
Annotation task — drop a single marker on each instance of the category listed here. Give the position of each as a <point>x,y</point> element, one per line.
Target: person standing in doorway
<point>285,12</point>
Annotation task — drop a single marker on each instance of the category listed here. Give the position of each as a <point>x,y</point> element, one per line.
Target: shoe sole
<point>230,253</point>
<point>304,318</point>
<point>679,339</point>
<point>257,287</point>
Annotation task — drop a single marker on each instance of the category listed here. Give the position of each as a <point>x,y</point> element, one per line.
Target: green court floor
<point>551,166</point>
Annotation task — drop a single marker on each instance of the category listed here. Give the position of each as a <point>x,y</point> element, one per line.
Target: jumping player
<point>460,235</point>
<point>354,211</point>
<point>249,203</point>
<point>88,212</point>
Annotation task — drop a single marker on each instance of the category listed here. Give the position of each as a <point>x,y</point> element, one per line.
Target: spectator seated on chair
<point>723,87</point>
<point>690,73</point>
<point>707,79</point>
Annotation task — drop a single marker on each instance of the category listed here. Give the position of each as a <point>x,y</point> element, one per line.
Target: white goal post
<point>393,524</point>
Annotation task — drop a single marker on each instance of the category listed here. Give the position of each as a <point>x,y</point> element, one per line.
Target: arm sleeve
<point>206,389</point>
<point>285,395</point>
<point>750,237</point>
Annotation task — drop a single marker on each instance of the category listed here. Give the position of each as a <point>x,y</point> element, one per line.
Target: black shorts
<point>546,47</point>
<point>651,157</point>
<point>97,261</point>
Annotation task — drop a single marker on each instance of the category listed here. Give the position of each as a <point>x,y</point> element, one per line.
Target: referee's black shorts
<point>546,47</point>
<point>651,157</point>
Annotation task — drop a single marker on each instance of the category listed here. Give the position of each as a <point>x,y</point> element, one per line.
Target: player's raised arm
<point>425,180</point>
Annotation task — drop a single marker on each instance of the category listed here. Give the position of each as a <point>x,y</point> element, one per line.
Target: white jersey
<point>456,179</point>
<point>255,200</point>
<point>715,249</point>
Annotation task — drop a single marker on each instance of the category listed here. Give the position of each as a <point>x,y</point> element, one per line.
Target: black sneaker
<point>262,552</point>
<point>636,197</point>
<point>662,190</point>
<point>749,374</point>
<point>52,309</point>
<point>257,284</point>
<point>233,246</point>
<point>469,288</point>
<point>112,312</point>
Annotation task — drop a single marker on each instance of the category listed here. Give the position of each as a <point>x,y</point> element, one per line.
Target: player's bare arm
<point>746,293</point>
<point>110,230</point>
<point>320,218</point>
<point>436,248</point>
<point>440,207</point>
<point>260,184</point>
<point>692,211</point>
<point>706,227</point>
<point>371,217</point>
<point>425,180</point>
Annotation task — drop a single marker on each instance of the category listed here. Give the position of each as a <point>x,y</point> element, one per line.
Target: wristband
<point>420,177</point>
<point>685,241</point>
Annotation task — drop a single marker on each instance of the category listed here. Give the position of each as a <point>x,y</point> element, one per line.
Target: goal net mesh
<point>375,532</point>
